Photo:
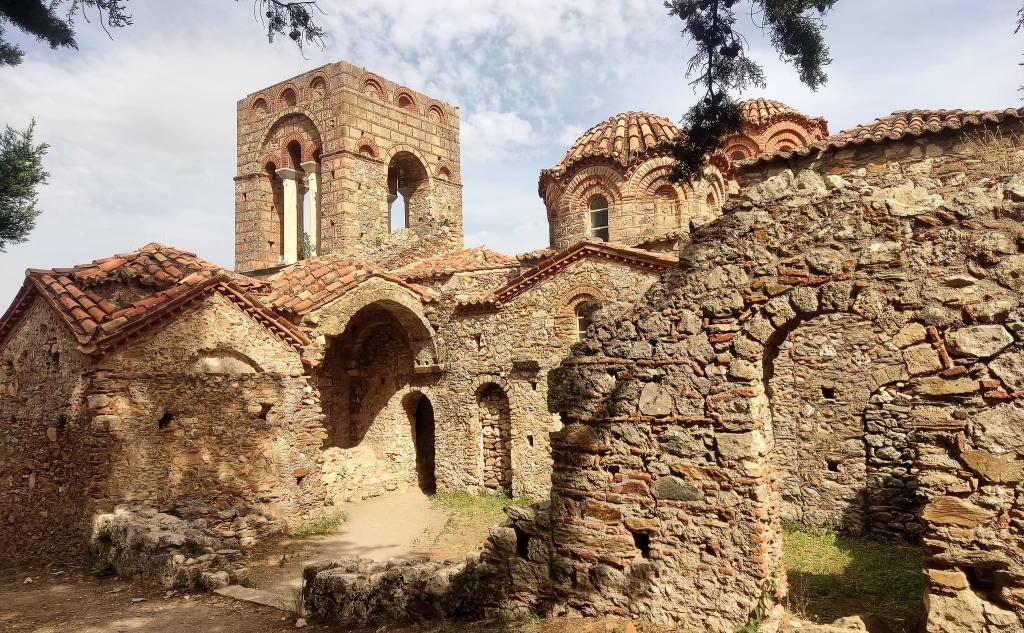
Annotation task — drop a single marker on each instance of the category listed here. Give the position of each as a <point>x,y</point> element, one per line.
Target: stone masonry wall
<point>44,441</point>
<point>818,395</point>
<point>496,429</point>
<point>513,349</point>
<point>209,418</point>
<point>665,471</point>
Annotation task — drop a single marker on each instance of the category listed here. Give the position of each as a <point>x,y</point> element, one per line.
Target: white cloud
<point>142,128</point>
<point>490,136</point>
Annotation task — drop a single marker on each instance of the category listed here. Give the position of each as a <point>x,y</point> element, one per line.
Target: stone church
<point>358,347</point>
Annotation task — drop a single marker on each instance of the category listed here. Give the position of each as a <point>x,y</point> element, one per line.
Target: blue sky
<point>142,128</point>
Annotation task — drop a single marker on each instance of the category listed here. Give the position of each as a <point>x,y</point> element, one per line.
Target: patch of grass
<point>480,504</point>
<point>324,525</point>
<point>833,575</point>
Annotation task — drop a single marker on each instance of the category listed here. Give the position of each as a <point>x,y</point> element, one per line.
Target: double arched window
<point>598,217</point>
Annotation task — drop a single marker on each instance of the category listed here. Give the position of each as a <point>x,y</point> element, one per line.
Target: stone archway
<point>819,388</point>
<point>380,427</point>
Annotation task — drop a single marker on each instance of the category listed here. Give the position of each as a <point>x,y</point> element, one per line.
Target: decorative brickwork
<point>346,125</point>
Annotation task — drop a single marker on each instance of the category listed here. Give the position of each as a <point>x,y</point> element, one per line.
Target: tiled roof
<point>176,277</point>
<point>531,258</point>
<point>313,282</point>
<point>559,261</point>
<point>464,260</point>
<point>760,113</point>
<point>897,126</point>
<point>621,138</point>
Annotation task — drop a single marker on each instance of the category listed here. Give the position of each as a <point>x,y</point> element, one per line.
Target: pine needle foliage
<point>21,174</point>
<point>721,66</point>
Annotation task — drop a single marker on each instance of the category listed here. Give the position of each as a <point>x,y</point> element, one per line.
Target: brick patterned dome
<point>621,138</point>
<point>762,112</point>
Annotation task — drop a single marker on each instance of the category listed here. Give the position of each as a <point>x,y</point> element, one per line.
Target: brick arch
<point>320,79</point>
<point>441,167</point>
<point>585,182</point>
<point>402,148</point>
<point>260,105</point>
<point>287,128</point>
<point>784,132</point>
<point>434,106</point>
<point>643,179</point>
<point>367,147</point>
<point>288,91</point>
<point>313,124</point>
<point>575,296</point>
<point>403,94</point>
<point>741,143</point>
<point>376,83</point>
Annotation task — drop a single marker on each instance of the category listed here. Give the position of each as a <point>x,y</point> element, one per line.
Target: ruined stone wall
<point>927,251</point>
<point>208,418</point>
<point>513,349</point>
<point>45,451</point>
<point>819,396</point>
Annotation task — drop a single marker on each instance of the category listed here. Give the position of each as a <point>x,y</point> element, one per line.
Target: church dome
<point>621,138</point>
<point>761,113</point>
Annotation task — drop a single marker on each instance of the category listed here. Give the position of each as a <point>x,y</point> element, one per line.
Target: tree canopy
<point>21,174</point>
<point>53,21</point>
<point>721,65</point>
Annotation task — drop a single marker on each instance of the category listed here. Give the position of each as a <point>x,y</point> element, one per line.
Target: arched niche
<point>223,361</point>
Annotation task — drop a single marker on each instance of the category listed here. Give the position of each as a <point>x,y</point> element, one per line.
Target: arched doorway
<point>423,439</point>
<point>379,426</point>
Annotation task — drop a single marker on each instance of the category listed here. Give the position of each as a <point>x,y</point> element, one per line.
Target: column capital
<point>310,167</point>
<point>287,173</point>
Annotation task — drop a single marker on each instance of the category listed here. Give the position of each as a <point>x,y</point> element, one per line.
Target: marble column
<point>290,216</point>
<point>312,169</point>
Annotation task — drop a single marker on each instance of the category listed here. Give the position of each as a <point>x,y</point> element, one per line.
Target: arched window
<point>288,97</point>
<point>406,183</point>
<point>711,199</point>
<point>598,217</point>
<point>584,317</point>
<point>738,155</point>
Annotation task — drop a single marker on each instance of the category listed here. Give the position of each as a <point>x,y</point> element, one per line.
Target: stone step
<point>257,596</point>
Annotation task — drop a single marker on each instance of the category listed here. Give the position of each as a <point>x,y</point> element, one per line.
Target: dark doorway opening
<point>423,436</point>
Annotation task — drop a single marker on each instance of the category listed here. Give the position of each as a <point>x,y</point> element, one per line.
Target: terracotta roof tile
<point>620,138</point>
<point>897,126</point>
<point>294,289</point>
<point>561,259</point>
<point>465,260</point>
<point>174,275</point>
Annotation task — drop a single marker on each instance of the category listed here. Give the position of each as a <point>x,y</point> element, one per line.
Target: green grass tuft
<point>324,525</point>
<point>479,504</point>
<point>833,575</point>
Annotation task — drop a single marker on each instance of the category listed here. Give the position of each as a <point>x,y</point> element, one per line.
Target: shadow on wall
<point>833,576</point>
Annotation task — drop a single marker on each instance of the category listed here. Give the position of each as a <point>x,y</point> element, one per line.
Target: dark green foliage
<point>21,173</point>
<point>53,21</point>
<point>294,18</point>
<point>721,66</point>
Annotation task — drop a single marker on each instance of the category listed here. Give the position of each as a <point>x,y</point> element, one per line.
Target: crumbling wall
<point>208,418</point>
<point>44,440</point>
<point>669,427</point>
<point>135,541</point>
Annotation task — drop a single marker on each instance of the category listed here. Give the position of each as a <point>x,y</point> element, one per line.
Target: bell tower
<point>340,161</point>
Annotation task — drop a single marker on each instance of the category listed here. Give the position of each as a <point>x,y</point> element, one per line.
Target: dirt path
<point>400,526</point>
<point>72,601</point>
